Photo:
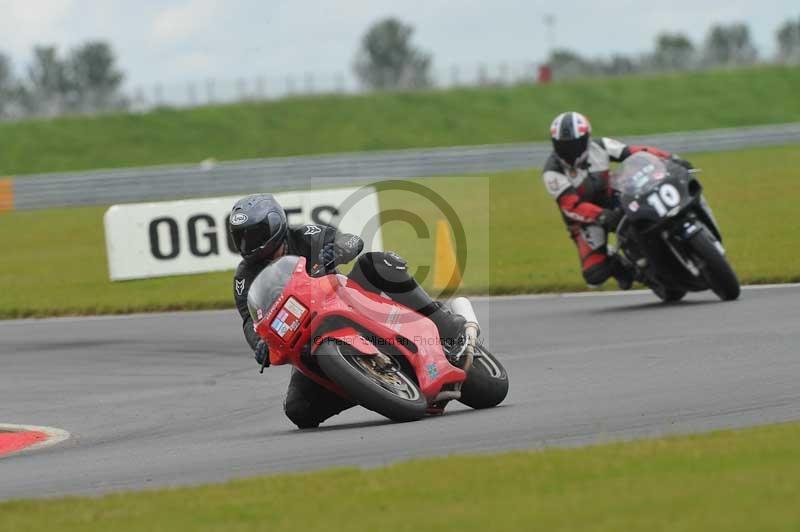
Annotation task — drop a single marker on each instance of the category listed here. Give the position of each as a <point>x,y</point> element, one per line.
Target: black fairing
<point>645,217</point>
<point>652,224</point>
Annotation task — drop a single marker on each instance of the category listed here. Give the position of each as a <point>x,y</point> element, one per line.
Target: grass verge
<point>324,124</point>
<point>733,481</point>
<point>55,263</point>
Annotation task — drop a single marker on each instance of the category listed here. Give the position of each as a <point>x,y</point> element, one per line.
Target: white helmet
<point>570,134</point>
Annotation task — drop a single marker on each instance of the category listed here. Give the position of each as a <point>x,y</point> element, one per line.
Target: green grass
<point>622,106</point>
<point>55,260</point>
<point>726,481</point>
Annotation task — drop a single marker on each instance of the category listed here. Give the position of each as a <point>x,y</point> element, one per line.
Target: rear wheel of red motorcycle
<point>487,383</point>
<point>376,382</point>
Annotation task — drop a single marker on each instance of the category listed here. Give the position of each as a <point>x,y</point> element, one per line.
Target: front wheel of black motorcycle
<point>669,295</point>
<point>376,382</point>
<point>487,383</point>
<point>714,265</point>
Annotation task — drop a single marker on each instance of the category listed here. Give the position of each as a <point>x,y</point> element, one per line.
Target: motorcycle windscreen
<point>638,174</point>
<point>269,285</point>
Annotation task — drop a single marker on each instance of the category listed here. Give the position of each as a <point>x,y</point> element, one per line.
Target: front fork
<point>687,230</point>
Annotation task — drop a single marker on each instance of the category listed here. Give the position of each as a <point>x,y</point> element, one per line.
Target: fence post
<point>191,94</point>
<point>482,75</point>
<point>210,90</point>
<point>454,76</point>
<point>309,83</point>
<point>261,88</point>
<point>502,74</point>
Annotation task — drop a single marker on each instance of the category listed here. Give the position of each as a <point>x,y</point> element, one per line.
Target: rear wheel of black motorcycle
<point>376,382</point>
<point>487,383</point>
<point>715,267</point>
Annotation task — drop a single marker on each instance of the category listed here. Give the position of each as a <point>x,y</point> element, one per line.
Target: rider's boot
<point>623,274</point>
<point>450,325</point>
<point>388,273</point>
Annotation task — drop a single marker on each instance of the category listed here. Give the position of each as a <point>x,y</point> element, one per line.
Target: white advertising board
<point>191,236</point>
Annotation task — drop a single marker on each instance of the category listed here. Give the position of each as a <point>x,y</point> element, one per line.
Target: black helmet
<point>258,227</point>
<point>570,133</point>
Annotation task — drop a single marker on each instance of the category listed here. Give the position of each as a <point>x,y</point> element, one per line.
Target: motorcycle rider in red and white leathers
<point>577,176</point>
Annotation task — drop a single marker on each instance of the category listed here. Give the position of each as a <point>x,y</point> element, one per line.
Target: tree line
<point>387,59</point>
<point>84,80</point>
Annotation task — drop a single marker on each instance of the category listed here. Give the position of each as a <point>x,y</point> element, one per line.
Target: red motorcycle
<point>365,347</point>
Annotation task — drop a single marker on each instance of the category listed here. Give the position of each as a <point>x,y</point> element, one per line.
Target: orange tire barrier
<point>6,194</point>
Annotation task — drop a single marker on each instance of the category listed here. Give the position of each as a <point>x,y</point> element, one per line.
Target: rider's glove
<point>328,256</point>
<point>682,162</point>
<point>610,218</point>
<point>262,354</point>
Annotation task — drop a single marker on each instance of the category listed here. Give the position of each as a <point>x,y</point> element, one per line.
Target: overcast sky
<point>175,41</point>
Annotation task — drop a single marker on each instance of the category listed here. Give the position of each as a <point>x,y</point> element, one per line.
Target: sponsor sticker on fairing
<point>293,306</point>
<point>279,327</point>
<point>289,317</point>
<point>393,319</point>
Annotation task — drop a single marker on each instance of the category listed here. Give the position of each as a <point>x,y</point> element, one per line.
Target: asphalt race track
<point>154,400</point>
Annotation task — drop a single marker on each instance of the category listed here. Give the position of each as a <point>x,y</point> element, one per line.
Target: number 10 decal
<point>666,198</point>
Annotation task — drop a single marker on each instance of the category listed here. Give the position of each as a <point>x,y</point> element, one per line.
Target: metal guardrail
<point>106,187</point>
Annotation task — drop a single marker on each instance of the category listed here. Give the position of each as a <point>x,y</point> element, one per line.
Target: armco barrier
<point>107,187</point>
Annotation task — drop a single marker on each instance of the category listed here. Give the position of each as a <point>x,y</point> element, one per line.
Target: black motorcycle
<point>668,235</point>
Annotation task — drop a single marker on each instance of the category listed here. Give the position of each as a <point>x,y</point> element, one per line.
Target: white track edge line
<point>520,297</point>
<point>611,293</point>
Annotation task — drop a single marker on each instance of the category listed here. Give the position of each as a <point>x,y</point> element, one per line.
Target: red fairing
<point>650,149</point>
<point>349,336</point>
<point>317,300</point>
<point>575,209</point>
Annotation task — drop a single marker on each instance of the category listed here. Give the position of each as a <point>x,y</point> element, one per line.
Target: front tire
<point>669,295</point>
<point>714,266</point>
<point>487,383</point>
<point>372,382</point>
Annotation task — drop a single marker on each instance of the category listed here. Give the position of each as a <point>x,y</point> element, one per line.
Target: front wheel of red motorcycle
<point>376,382</point>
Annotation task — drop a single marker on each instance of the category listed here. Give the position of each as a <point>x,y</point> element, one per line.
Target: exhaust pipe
<point>463,307</point>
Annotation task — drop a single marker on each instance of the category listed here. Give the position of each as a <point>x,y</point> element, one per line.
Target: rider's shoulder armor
<point>614,148</point>
<point>558,178</point>
<point>308,240</point>
<point>599,161</point>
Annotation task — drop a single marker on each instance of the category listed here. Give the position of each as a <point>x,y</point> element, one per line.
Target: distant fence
<point>106,187</point>
<point>261,88</point>
<point>257,88</point>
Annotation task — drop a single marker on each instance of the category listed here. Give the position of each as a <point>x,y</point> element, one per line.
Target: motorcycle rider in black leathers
<point>577,176</point>
<point>261,234</point>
